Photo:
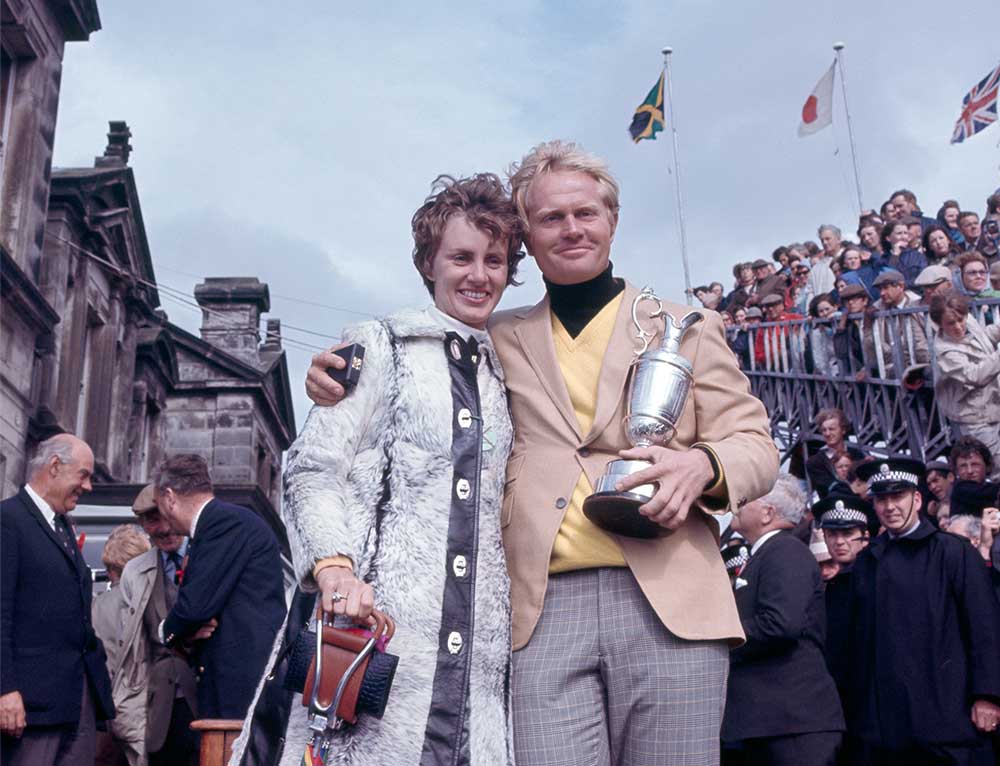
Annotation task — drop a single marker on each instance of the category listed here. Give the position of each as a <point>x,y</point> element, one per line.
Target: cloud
<point>318,127</point>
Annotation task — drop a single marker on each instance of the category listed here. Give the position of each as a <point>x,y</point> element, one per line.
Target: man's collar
<point>763,539</point>
<point>197,515</point>
<point>47,513</point>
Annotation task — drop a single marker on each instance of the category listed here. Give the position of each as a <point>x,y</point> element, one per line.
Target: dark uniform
<point>925,643</point>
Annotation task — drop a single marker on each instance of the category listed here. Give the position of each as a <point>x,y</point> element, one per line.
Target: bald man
<point>54,683</point>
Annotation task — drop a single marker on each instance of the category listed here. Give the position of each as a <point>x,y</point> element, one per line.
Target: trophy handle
<point>674,331</point>
<point>642,335</point>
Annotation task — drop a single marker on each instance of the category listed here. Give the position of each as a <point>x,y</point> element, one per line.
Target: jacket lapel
<point>36,514</point>
<point>618,360</point>
<point>535,336</point>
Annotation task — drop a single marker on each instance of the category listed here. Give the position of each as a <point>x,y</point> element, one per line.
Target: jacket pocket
<point>510,488</point>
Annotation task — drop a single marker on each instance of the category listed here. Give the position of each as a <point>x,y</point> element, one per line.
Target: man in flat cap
<point>934,280</point>
<point>769,350</point>
<point>848,338</point>
<point>767,282</point>
<point>887,336</point>
<point>925,641</point>
<point>164,679</point>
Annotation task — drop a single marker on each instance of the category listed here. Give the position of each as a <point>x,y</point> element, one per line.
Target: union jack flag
<point>979,108</point>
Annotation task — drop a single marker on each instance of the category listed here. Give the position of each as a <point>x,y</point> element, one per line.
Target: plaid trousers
<point>603,682</point>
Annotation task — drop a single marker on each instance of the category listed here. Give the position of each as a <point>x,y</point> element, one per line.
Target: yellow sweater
<point>580,544</point>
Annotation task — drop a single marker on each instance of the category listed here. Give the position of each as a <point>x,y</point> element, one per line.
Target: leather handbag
<point>355,674</point>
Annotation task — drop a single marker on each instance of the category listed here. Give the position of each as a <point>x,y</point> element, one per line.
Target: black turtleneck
<point>575,305</point>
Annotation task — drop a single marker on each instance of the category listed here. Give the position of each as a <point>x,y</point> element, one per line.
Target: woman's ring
<point>337,596</point>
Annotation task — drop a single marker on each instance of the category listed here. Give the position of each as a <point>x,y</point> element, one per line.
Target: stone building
<point>33,35</point>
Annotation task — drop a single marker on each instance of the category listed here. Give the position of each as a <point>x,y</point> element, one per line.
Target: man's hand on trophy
<point>320,387</point>
<point>681,476</point>
<point>345,594</point>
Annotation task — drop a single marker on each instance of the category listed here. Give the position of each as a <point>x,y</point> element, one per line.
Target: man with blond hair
<point>620,644</point>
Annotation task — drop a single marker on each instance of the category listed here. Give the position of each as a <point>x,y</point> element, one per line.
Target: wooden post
<point>217,737</point>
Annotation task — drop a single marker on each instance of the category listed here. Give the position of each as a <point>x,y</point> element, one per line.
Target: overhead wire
<point>179,296</point>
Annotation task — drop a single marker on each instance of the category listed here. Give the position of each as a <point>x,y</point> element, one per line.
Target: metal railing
<point>876,367</point>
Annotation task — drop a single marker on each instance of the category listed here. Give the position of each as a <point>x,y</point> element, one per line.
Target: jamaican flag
<point>648,118</point>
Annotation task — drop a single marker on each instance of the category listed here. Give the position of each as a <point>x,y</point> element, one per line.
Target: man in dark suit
<point>55,684</point>
<point>782,704</point>
<point>233,576</point>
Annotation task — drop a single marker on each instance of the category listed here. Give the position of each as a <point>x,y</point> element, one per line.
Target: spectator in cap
<point>967,362</point>
<point>160,680</point>
<point>972,277</point>
<point>781,703</point>
<point>744,279</point>
<point>768,344</point>
<point>833,425</point>
<point>939,248</point>
<point>900,256</point>
<point>940,479</point>
<point>126,734</point>
<point>828,568</point>
<point>934,280</point>
<point>894,332</point>
<point>846,522</point>
<point>921,599</point>
<point>767,282</point>
<point>848,338</point>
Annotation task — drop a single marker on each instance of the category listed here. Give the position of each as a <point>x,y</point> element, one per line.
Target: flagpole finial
<point>667,51</point>
<point>838,46</point>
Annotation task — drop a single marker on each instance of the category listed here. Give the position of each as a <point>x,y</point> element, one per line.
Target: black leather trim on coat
<point>446,735</point>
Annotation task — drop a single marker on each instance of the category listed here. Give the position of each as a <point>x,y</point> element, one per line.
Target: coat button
<point>463,489</point>
<point>464,417</point>
<point>454,642</point>
<point>583,452</point>
<point>460,566</point>
<point>561,503</point>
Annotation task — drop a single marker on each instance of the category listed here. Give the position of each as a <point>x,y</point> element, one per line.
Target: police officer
<point>847,522</point>
<point>925,642</point>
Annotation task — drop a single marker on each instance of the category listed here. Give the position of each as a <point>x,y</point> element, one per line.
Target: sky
<point>293,141</point>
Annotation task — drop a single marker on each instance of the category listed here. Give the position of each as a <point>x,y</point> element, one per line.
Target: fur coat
<point>405,414</point>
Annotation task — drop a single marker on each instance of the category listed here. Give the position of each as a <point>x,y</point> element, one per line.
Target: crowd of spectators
<point>914,299</point>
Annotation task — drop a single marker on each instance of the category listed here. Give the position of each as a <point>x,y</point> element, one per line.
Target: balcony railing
<point>877,368</point>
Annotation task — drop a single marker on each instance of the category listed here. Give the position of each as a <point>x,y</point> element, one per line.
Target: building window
<point>8,78</point>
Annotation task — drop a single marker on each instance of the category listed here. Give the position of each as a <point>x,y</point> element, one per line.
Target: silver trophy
<point>658,386</point>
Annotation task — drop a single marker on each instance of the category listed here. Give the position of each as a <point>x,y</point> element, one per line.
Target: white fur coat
<point>402,411</point>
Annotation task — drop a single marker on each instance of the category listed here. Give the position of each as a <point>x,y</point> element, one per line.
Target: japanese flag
<point>817,111</point>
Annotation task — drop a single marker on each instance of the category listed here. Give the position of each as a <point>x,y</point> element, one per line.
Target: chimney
<point>230,314</point>
<point>117,151</point>
<point>272,338</point>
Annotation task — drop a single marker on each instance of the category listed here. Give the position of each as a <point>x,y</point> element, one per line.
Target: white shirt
<point>763,539</point>
<point>47,513</point>
<point>454,325</point>
<point>908,532</point>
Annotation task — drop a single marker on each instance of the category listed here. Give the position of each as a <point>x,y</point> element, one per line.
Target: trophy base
<point>618,513</point>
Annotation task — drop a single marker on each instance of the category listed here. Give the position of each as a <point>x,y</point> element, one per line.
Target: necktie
<point>178,565</point>
<point>65,534</point>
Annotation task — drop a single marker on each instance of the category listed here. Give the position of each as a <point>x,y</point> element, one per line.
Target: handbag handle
<point>384,627</point>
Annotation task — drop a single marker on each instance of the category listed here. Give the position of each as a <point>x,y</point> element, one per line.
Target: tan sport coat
<point>681,573</point>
